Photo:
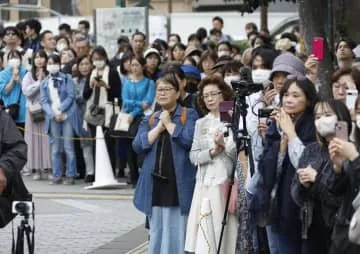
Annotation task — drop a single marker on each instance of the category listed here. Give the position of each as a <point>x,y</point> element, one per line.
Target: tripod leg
<point>20,240</point>
<point>29,243</point>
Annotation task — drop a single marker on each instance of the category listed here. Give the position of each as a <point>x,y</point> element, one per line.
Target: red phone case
<point>318,48</point>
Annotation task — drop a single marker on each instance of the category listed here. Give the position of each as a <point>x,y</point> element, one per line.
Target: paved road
<point>73,220</point>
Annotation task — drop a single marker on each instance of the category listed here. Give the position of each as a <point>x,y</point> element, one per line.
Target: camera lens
<point>21,207</point>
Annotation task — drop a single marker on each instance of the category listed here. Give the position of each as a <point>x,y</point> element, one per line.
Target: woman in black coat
<point>107,80</point>
<point>285,140</point>
<point>310,186</point>
<point>346,159</point>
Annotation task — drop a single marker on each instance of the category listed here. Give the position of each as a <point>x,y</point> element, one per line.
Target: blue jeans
<point>167,231</point>
<point>62,129</point>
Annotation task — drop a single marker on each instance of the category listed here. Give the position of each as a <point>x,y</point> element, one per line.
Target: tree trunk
<point>351,19</point>
<point>264,16</point>
<point>312,20</point>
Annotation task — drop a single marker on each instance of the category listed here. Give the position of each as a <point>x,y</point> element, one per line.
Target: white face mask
<point>99,64</point>
<point>171,44</point>
<point>223,53</point>
<point>325,125</point>
<point>260,76</point>
<point>60,47</point>
<point>358,121</point>
<point>230,78</point>
<point>14,63</point>
<point>197,59</point>
<point>53,68</point>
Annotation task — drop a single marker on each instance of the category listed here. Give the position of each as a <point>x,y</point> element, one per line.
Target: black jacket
<point>13,149</point>
<point>114,83</point>
<point>347,185</point>
<point>287,219</point>
<point>317,203</point>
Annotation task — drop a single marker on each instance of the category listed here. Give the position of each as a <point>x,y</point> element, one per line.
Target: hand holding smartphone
<point>341,130</point>
<point>318,48</point>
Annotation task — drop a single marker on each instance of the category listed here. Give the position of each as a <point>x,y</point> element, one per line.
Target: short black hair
<point>173,67</point>
<point>122,38</point>
<point>12,29</point>
<point>201,33</point>
<point>218,19</point>
<point>351,43</point>
<point>138,33</point>
<point>192,37</point>
<point>228,44</point>
<point>55,58</point>
<point>66,27</point>
<point>42,35</point>
<point>34,24</point>
<point>85,23</point>
<point>63,38</point>
<point>215,31</point>
<point>252,33</point>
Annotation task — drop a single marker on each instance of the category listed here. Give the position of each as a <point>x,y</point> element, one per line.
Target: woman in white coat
<point>214,155</point>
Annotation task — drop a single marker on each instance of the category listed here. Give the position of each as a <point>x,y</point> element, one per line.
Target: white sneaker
<point>36,176</point>
<point>26,172</point>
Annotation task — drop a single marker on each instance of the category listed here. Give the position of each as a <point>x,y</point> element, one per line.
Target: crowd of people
<point>60,88</point>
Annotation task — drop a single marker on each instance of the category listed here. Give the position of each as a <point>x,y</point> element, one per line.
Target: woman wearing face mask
<point>224,49</point>
<point>310,186</point>
<point>207,62</point>
<point>138,96</point>
<point>10,85</point>
<point>105,81</point>
<point>285,140</point>
<point>214,155</point>
<point>57,100</point>
<point>38,146</point>
<point>231,72</point>
<point>83,69</point>
<point>62,43</point>
<point>346,161</point>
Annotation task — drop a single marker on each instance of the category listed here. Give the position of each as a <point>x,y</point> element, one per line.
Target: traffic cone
<point>104,176</point>
<point>206,242</point>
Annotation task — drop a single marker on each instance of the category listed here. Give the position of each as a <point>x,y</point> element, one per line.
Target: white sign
<point>110,23</point>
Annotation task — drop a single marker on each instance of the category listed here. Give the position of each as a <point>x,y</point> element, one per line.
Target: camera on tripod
<point>245,88</point>
<point>22,207</point>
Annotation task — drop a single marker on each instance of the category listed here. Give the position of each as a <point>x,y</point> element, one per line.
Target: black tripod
<point>241,139</point>
<point>24,229</point>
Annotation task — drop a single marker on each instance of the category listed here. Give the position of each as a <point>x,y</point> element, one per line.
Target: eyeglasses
<point>164,90</point>
<point>211,94</point>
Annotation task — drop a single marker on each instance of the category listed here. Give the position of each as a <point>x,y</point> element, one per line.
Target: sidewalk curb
<point>104,196</point>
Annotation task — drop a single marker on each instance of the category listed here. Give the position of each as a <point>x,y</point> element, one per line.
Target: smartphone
<point>341,130</point>
<point>351,96</point>
<point>225,107</point>
<point>318,48</point>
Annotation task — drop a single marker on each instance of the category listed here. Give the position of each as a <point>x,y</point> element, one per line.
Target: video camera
<point>22,207</point>
<point>245,88</point>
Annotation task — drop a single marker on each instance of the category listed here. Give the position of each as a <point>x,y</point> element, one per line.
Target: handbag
<point>233,203</point>
<point>13,109</point>
<point>16,191</point>
<point>36,112</point>
<point>95,115</point>
<point>354,228</point>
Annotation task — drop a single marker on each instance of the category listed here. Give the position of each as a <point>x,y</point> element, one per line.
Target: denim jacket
<point>185,171</point>
<point>67,101</point>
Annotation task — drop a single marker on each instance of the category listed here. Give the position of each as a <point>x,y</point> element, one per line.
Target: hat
<point>192,49</point>
<point>151,51</point>
<point>191,72</point>
<point>288,63</point>
<point>221,61</point>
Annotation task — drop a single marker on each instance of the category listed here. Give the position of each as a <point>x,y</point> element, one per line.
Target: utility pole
<point>264,15</point>
<point>170,9</point>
